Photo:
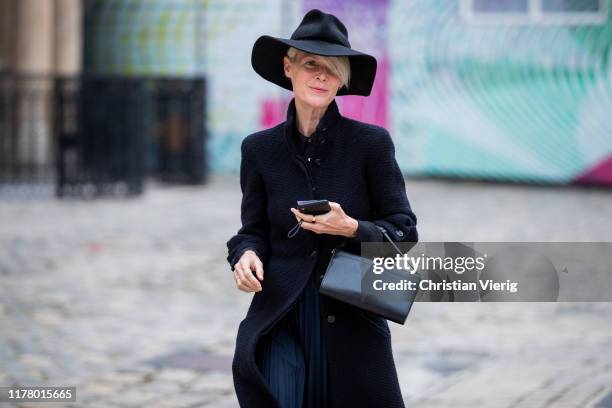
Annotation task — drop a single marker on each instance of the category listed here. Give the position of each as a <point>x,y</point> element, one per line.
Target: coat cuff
<point>367,231</point>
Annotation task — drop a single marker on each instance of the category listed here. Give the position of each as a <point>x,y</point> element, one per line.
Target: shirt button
<point>313,253</point>
<point>322,141</point>
<point>399,233</point>
<point>314,189</point>
<point>331,319</point>
<point>309,140</point>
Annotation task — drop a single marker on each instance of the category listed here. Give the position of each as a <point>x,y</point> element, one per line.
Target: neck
<point>308,117</point>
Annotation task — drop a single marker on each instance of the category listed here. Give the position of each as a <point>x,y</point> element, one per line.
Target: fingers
<point>333,222</point>
<point>243,283</point>
<point>250,278</point>
<point>245,280</point>
<point>300,215</point>
<point>307,224</point>
<point>239,283</point>
<point>259,270</point>
<point>307,218</point>
<point>317,227</point>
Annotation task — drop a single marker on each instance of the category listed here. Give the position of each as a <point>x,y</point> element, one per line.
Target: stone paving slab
<point>132,301</point>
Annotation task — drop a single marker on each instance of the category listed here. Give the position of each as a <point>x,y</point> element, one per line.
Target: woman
<point>296,348</point>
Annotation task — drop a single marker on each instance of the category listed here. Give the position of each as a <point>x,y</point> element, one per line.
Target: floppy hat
<point>321,34</point>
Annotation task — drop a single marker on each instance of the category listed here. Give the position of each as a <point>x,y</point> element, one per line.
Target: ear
<point>287,67</point>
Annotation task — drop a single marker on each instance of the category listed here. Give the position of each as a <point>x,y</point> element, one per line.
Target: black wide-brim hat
<point>321,34</point>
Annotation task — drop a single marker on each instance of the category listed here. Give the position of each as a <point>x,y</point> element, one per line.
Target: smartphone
<point>314,207</point>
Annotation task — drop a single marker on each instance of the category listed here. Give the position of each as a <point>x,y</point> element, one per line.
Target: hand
<point>334,222</point>
<point>243,272</point>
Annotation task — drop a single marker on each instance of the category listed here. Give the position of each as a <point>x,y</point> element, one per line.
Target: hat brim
<point>268,53</point>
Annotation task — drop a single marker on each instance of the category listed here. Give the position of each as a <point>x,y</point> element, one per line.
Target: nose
<point>322,74</point>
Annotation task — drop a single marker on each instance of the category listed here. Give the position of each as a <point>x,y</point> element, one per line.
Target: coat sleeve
<point>387,194</point>
<point>253,212</point>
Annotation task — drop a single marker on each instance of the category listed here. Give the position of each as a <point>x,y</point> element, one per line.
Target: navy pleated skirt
<point>292,355</point>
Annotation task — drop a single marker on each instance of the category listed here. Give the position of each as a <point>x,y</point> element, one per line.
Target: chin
<point>318,101</point>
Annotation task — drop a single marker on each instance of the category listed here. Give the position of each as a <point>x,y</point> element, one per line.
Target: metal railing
<point>94,135</point>
<point>26,136</point>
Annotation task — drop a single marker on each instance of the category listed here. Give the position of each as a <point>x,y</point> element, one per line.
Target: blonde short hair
<point>339,66</point>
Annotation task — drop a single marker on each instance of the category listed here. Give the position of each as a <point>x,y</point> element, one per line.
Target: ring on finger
<point>314,219</point>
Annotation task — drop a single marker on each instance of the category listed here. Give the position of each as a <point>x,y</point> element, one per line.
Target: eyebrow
<point>319,60</point>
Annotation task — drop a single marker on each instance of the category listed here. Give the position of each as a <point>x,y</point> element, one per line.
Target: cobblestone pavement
<point>132,302</point>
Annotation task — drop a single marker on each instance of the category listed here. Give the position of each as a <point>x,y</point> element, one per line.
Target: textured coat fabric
<point>352,163</point>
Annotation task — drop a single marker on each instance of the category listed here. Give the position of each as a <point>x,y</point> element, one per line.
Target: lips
<point>318,90</point>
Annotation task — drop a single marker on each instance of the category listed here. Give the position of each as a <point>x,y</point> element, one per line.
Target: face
<point>313,83</point>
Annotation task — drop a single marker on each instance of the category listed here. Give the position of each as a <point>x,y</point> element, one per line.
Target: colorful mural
<point>521,102</point>
<point>237,94</point>
<point>144,37</point>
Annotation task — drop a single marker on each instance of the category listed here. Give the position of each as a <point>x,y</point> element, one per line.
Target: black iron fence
<point>101,136</point>
<point>175,121</point>
<point>94,135</point>
<point>26,136</point>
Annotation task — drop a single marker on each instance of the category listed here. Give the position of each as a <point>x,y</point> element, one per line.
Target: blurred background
<point>120,131</point>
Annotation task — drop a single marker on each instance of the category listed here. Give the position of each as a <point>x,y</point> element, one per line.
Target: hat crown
<point>317,25</point>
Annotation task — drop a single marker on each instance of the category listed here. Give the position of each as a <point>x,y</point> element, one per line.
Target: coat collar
<point>329,119</point>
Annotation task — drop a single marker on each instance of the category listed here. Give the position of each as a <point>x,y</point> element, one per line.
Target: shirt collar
<point>330,117</point>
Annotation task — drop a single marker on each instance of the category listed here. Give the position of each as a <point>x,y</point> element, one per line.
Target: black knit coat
<point>352,163</point>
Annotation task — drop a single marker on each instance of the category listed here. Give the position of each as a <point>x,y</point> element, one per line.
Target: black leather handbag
<point>350,279</point>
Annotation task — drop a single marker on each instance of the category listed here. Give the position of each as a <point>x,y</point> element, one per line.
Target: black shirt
<point>302,142</point>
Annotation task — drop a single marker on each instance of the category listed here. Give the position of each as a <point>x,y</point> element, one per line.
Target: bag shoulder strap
<point>384,231</point>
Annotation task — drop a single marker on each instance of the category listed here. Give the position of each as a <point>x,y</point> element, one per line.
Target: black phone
<point>314,207</point>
